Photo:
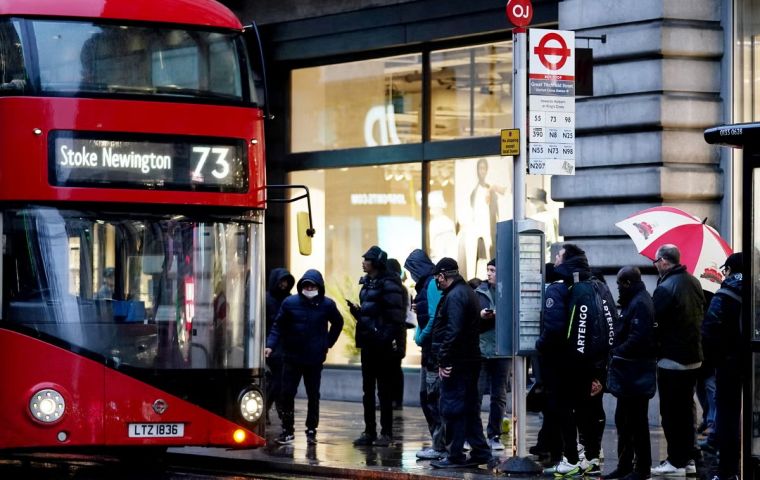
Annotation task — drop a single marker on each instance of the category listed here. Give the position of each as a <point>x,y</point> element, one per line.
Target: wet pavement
<point>335,455</point>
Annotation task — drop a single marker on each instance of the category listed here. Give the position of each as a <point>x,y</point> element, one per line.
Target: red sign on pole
<point>520,12</point>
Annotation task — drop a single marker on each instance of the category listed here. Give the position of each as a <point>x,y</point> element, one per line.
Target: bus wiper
<point>193,92</point>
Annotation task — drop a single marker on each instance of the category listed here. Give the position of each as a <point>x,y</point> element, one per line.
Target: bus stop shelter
<point>746,136</point>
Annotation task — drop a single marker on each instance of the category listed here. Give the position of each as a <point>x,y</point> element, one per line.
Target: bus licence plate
<point>156,430</point>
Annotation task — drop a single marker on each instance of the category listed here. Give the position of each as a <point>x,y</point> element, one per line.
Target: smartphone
<point>350,305</point>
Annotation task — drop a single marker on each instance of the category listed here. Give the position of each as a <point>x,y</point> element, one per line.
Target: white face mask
<point>310,293</point>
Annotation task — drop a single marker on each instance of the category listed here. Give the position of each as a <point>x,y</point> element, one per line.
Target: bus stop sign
<point>520,12</point>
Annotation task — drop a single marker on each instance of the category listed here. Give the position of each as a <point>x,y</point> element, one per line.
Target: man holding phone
<point>380,333</point>
<point>494,372</point>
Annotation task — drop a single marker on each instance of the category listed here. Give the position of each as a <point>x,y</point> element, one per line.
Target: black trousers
<point>591,419</point>
<point>460,411</point>
<point>291,377</point>
<point>632,423</point>
<point>274,381</point>
<point>570,408</point>
<point>676,389</point>
<point>376,373</point>
<point>728,393</point>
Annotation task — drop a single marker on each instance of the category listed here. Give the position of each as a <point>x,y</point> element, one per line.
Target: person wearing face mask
<point>306,327</point>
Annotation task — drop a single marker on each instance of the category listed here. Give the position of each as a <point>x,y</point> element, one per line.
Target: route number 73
<point>222,165</point>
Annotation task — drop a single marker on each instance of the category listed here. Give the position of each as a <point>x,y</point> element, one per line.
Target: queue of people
<point>663,334</point>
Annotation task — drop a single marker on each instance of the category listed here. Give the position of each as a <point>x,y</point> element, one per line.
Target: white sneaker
<point>591,467</point>
<point>668,470</point>
<point>495,444</point>
<point>581,452</point>
<point>691,468</point>
<point>564,468</point>
<point>429,453</point>
<point>466,446</point>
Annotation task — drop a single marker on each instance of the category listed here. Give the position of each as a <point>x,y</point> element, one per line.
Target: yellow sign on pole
<point>510,141</point>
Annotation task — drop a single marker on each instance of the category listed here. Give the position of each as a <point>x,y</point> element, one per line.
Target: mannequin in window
<point>479,247</point>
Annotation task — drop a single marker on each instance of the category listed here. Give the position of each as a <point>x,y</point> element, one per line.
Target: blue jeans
<point>494,377</point>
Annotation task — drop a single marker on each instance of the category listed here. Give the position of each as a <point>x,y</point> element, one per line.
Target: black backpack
<point>592,313</point>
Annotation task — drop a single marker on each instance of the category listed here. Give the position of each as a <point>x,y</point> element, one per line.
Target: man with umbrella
<point>679,308</point>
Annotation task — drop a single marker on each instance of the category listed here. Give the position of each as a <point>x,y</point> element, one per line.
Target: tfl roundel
<point>520,12</point>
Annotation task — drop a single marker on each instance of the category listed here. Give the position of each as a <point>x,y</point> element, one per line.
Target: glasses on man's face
<point>656,261</point>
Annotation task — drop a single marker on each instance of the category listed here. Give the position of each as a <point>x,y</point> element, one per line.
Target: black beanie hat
<point>447,266</point>
<point>491,263</point>
<point>376,255</point>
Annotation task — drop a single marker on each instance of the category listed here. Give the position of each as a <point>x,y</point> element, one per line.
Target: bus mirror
<point>304,229</point>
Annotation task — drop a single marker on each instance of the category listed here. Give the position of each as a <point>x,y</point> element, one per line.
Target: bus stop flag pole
<point>520,13</point>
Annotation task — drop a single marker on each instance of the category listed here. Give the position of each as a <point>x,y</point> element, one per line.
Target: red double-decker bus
<point>131,210</point>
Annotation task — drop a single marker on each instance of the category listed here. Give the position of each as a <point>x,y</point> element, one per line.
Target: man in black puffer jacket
<point>573,385</point>
<point>679,308</point>
<point>721,339</point>
<point>380,330</point>
<point>301,331</point>
<point>456,346</point>
<point>634,339</point>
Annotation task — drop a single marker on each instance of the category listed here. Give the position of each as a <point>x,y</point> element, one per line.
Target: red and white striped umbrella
<point>703,251</point>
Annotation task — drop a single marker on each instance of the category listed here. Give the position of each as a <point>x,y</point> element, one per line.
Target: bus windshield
<point>86,58</point>
<point>147,291</point>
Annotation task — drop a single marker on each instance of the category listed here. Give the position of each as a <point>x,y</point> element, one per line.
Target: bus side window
<point>12,74</point>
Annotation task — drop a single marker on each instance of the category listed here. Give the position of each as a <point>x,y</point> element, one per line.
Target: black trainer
<point>365,439</point>
<point>383,441</point>
<point>285,438</point>
<point>311,437</point>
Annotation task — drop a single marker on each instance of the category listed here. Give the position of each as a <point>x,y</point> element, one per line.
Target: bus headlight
<point>47,405</point>
<point>252,405</point>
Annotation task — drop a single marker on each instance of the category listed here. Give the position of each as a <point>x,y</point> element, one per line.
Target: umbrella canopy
<point>702,249</point>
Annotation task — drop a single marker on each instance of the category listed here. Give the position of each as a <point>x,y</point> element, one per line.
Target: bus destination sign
<point>79,159</point>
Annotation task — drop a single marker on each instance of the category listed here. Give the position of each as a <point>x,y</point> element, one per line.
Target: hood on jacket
<point>313,276</point>
<point>418,264</point>
<point>578,263</point>
<point>734,282</point>
<point>277,275</point>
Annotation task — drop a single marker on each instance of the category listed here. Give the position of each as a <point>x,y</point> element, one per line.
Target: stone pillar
<point>639,138</point>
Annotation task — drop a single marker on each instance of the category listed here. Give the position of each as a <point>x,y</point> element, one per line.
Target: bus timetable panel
<point>85,159</point>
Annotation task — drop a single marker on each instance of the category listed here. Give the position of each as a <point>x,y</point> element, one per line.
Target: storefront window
<point>467,197</point>
<point>357,104</point>
<point>471,91</point>
<point>353,209</point>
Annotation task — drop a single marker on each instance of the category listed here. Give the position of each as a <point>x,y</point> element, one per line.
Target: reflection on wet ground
<point>342,422</point>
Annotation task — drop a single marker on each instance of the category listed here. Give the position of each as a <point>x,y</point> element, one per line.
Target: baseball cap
<point>734,262</point>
